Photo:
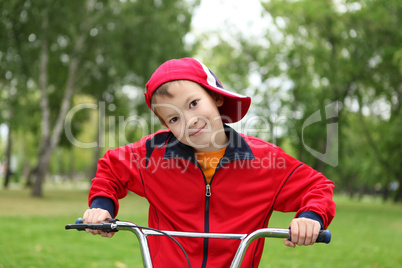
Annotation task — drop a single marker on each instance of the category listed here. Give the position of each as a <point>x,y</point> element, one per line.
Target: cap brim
<point>234,107</point>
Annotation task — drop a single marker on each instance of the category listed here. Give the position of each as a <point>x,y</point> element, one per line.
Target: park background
<point>72,77</point>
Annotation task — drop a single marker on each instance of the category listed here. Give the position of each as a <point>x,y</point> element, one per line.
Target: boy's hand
<point>304,232</point>
<point>97,215</point>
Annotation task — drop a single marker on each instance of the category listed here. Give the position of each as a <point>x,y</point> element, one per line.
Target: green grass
<point>33,232</point>
<point>364,234</point>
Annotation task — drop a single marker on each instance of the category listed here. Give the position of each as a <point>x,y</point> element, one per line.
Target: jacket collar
<point>237,148</point>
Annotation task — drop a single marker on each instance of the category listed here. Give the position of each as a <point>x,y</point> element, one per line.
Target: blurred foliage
<point>346,52</point>
<point>344,55</point>
<point>51,50</point>
<point>314,54</point>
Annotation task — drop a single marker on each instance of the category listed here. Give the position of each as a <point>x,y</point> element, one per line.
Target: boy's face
<point>192,114</point>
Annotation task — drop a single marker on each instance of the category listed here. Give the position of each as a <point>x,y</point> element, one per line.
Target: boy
<point>200,175</point>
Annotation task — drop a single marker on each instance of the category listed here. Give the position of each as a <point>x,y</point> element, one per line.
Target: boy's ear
<point>218,98</point>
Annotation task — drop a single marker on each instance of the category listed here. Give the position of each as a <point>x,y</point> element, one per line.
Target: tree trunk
<point>29,178</point>
<point>50,143</point>
<point>26,173</point>
<point>41,171</point>
<point>50,138</point>
<point>398,195</point>
<point>71,170</point>
<point>100,140</point>
<point>8,158</point>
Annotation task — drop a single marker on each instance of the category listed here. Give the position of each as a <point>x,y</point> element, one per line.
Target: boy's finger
<point>108,235</point>
<point>309,235</point>
<point>90,216</point>
<point>289,243</point>
<point>294,232</point>
<point>302,233</point>
<point>85,216</point>
<point>316,230</point>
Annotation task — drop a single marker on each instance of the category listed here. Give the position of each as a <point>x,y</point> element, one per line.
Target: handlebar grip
<point>324,236</point>
<point>80,226</point>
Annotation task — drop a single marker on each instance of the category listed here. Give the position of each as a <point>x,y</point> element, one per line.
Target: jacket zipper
<point>206,216</point>
<point>208,190</point>
<point>206,223</point>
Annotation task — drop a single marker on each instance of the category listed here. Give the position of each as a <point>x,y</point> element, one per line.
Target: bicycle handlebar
<point>114,225</point>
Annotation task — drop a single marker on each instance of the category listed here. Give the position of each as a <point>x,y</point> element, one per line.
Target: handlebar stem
<point>142,238</point>
<point>266,232</point>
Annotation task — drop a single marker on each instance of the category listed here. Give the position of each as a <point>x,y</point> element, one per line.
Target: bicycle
<point>141,232</point>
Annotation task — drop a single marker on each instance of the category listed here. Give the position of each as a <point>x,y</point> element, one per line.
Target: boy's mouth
<point>197,132</point>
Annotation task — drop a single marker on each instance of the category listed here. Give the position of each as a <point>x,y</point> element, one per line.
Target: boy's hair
<point>163,90</point>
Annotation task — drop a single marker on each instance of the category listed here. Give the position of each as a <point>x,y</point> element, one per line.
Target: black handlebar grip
<point>324,236</point>
<point>80,226</point>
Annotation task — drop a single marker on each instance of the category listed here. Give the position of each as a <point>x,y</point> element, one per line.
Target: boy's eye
<point>193,103</point>
<point>172,120</point>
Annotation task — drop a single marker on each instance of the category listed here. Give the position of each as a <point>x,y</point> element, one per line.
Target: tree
<point>344,51</point>
<point>103,42</point>
<point>15,96</point>
<point>378,39</point>
<point>327,78</point>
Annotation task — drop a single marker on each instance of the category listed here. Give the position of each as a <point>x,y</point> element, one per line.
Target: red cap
<point>235,106</point>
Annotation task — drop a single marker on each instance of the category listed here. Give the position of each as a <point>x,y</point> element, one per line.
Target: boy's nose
<point>192,120</point>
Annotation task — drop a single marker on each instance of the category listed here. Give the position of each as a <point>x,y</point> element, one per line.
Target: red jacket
<point>253,179</point>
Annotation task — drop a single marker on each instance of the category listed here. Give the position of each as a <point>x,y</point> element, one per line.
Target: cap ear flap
<point>148,99</point>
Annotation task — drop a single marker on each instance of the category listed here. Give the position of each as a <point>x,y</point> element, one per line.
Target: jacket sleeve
<point>305,191</point>
<point>104,203</point>
<point>118,172</point>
